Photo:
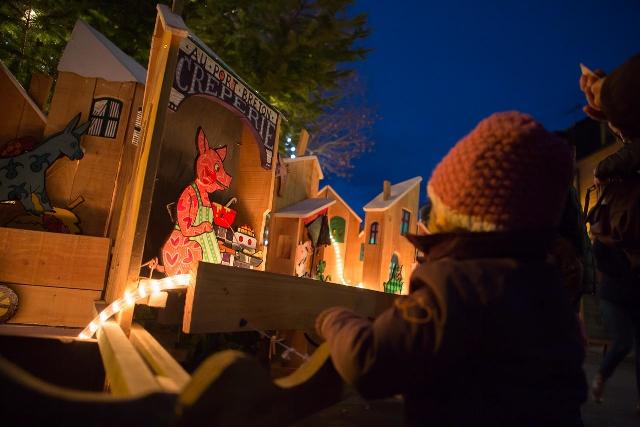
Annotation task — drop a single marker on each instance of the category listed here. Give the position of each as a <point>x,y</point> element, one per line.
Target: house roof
<point>90,54</point>
<point>23,92</point>
<point>306,159</point>
<point>335,193</point>
<point>397,192</point>
<point>305,208</point>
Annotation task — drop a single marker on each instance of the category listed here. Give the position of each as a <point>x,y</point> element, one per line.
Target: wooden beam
<point>51,306</point>
<point>160,361</point>
<point>126,372</point>
<point>53,259</point>
<point>222,296</point>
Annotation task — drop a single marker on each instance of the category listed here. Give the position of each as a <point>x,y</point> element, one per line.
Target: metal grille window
<point>373,233</point>
<point>406,219</point>
<point>105,116</point>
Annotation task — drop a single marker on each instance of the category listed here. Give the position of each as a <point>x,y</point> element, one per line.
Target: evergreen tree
<point>296,53</point>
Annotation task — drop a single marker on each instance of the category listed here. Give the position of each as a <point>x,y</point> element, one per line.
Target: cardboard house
<point>105,86</point>
<point>296,205</point>
<point>343,258</point>
<point>388,217</point>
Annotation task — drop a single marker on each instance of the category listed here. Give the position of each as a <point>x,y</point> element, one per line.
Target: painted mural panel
<point>200,72</point>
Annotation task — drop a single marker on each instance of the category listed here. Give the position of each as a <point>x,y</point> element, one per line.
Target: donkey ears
<point>203,144</point>
<point>80,130</point>
<point>221,151</point>
<point>72,124</point>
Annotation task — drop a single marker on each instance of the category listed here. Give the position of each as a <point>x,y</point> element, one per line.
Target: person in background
<point>615,99</point>
<point>487,335</point>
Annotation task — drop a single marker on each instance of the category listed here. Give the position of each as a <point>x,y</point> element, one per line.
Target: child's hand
<point>591,84</point>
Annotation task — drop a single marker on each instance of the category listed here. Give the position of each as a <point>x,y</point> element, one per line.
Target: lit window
<point>406,219</point>
<point>373,234</point>
<point>361,251</point>
<point>393,266</point>
<point>105,115</point>
<point>337,225</point>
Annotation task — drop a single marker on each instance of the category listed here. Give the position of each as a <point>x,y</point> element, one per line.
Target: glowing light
<point>293,148</point>
<point>129,299</point>
<point>339,263</point>
<point>288,139</point>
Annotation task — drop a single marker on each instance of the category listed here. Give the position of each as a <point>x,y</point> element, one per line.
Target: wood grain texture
<point>20,115</point>
<point>39,88</point>
<point>51,306</point>
<point>223,295</point>
<point>53,259</point>
<point>126,372</point>
<point>160,361</point>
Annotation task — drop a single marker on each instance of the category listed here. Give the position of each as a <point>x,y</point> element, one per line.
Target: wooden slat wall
<point>53,259</point>
<point>224,295</point>
<point>94,176</point>
<point>18,116</point>
<point>44,305</point>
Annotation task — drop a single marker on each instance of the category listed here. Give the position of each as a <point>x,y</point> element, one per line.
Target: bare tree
<point>343,132</point>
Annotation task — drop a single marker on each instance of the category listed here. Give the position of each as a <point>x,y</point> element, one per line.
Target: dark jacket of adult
<point>619,284</point>
<point>486,337</point>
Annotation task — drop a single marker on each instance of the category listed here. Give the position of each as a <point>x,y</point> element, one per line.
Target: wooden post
<point>302,143</point>
<point>39,88</point>
<point>127,256</point>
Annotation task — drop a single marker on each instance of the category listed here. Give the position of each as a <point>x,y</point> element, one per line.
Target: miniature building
<point>344,225</point>
<point>98,80</point>
<point>388,217</point>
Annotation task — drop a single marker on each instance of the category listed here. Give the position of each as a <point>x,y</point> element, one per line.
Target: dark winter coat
<point>486,337</point>
<point>618,283</point>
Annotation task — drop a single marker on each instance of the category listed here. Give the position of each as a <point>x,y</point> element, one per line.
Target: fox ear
<point>72,124</point>
<point>222,152</point>
<point>203,144</point>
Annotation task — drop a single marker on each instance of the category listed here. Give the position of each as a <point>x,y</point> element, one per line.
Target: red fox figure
<point>193,238</point>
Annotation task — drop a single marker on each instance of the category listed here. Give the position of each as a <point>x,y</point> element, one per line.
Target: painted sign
<point>200,72</point>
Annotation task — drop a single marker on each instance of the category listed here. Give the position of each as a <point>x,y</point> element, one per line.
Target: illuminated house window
<point>105,116</point>
<point>373,233</point>
<point>406,219</point>
<point>337,225</point>
<point>361,251</point>
<point>393,265</point>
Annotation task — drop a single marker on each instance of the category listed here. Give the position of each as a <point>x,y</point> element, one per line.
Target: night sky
<point>438,67</point>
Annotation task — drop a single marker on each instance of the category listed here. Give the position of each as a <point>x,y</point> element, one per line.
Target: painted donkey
<point>24,174</point>
<point>193,238</point>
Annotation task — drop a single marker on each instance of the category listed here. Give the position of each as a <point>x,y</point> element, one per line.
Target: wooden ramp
<point>223,296</point>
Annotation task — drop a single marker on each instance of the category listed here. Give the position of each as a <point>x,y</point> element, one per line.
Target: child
<point>487,335</point>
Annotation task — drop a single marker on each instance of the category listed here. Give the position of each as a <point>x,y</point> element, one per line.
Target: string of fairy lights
<point>153,287</point>
<point>146,287</point>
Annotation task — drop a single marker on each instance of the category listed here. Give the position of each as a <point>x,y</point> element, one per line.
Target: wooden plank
<point>39,88</point>
<point>53,259</point>
<point>38,331</point>
<point>45,305</point>
<point>222,296</point>
<point>160,361</point>
<point>73,94</point>
<point>95,175</point>
<point>126,372</point>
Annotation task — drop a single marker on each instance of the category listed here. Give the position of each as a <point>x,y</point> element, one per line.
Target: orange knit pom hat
<point>509,173</point>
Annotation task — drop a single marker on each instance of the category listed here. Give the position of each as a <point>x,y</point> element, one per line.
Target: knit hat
<point>620,97</point>
<point>509,173</point>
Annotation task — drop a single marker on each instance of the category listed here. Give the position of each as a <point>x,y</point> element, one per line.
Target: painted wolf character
<point>23,175</point>
<point>193,238</point>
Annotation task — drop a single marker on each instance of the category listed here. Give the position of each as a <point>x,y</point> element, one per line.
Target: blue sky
<point>438,67</point>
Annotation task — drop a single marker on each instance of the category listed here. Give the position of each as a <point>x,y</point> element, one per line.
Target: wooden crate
<point>57,276</point>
